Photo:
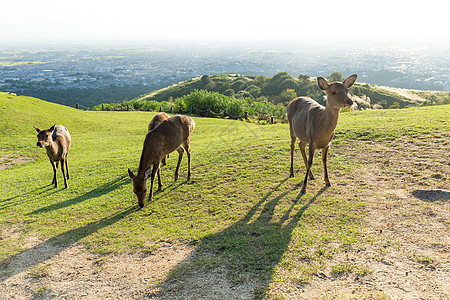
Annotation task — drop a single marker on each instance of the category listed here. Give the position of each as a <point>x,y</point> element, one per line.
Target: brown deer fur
<point>56,141</point>
<point>314,124</point>
<point>157,119</point>
<point>172,134</point>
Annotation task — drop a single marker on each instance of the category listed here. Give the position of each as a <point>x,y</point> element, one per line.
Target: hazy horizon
<point>200,21</point>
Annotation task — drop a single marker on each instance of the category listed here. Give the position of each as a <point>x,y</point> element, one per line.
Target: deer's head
<point>337,92</point>
<point>44,136</point>
<point>140,185</point>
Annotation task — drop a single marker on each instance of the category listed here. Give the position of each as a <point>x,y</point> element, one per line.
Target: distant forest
<point>257,96</point>
<point>279,90</point>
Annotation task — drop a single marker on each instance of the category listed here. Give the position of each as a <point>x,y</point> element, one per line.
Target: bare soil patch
<point>73,272</point>
<point>10,160</point>
<point>404,253</point>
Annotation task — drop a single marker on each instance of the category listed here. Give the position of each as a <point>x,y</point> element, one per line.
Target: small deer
<point>314,124</point>
<point>172,134</point>
<point>157,119</point>
<point>56,141</point>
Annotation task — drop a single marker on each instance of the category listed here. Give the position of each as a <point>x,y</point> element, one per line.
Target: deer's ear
<point>52,128</point>
<point>350,81</point>
<point>130,174</point>
<point>37,129</point>
<point>322,83</point>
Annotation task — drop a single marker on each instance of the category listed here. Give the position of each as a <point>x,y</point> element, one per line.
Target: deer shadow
<point>94,193</point>
<point>251,248</point>
<point>28,196</point>
<point>44,251</point>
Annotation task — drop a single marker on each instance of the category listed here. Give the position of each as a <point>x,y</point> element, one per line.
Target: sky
<point>223,20</point>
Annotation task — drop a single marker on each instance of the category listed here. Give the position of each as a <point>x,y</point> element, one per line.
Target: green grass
<point>346,268</point>
<point>241,210</point>
<point>391,124</point>
<point>39,271</point>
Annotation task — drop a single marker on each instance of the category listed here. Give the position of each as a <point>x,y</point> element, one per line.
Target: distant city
<point>116,73</point>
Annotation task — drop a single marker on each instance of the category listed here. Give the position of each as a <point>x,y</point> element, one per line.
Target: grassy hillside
<point>282,88</point>
<point>263,97</point>
<point>240,207</point>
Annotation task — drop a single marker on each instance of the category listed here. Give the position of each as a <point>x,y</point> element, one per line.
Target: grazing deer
<point>172,134</point>
<point>56,141</point>
<point>314,124</point>
<point>157,119</point>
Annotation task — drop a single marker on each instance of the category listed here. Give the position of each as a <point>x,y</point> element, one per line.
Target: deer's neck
<point>146,160</point>
<point>53,150</point>
<point>328,121</point>
<point>331,117</point>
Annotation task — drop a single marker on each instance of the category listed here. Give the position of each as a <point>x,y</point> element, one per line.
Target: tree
<point>254,91</point>
<point>229,93</point>
<point>205,80</point>
<point>335,76</point>
<point>273,86</point>
<point>302,78</point>
<point>289,83</point>
<point>260,81</point>
<point>243,94</point>
<point>239,85</point>
<point>287,96</point>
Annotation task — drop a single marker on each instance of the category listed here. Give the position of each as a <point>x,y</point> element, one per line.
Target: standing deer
<point>314,124</point>
<point>56,141</point>
<point>157,119</point>
<point>172,134</point>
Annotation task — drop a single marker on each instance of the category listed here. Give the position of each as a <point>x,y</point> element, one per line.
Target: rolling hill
<point>276,91</point>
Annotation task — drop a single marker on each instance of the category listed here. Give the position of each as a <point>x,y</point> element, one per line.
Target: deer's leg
<point>312,149</point>
<point>159,180</point>
<point>152,178</point>
<point>324,160</point>
<point>188,152</point>
<point>64,173</point>
<point>55,168</point>
<point>67,169</point>
<point>293,138</point>
<point>302,146</point>
<point>180,157</point>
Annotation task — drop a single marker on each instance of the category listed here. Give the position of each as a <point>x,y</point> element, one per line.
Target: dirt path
<point>149,95</point>
<point>408,93</point>
<point>405,254</point>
